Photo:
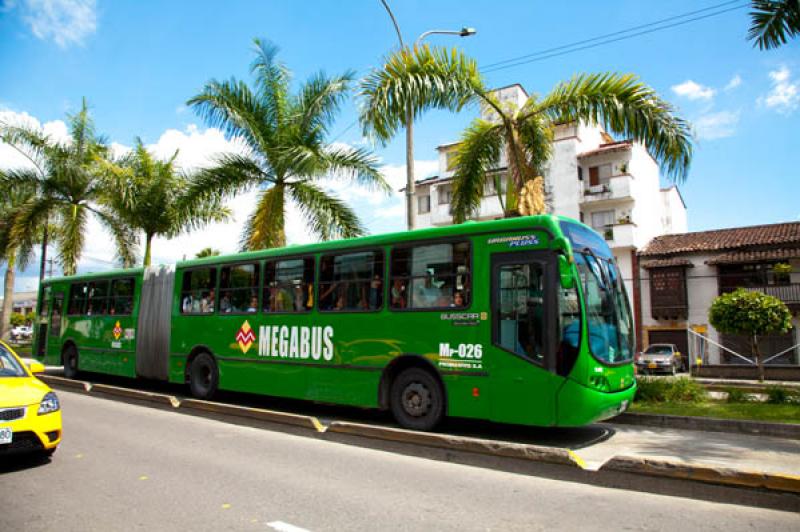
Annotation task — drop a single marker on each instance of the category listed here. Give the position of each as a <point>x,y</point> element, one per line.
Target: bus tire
<point>203,376</point>
<point>417,399</point>
<point>70,360</point>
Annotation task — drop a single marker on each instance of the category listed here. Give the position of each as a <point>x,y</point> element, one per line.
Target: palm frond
<point>72,236</point>
<point>264,227</point>
<point>627,107</point>
<point>479,150</point>
<point>124,237</point>
<point>232,107</point>
<point>420,79</point>
<point>319,101</point>
<point>773,22</point>
<point>272,81</point>
<point>230,175</point>
<point>328,217</point>
<point>355,164</point>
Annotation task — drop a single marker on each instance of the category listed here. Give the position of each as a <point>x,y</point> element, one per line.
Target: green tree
<point>750,313</point>
<point>207,252</point>
<point>30,317</point>
<point>17,254</point>
<point>150,196</point>
<point>426,78</point>
<point>774,22</point>
<point>68,190</point>
<point>285,153</point>
<point>17,319</point>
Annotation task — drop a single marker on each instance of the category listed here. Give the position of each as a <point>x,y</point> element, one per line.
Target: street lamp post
<point>410,184</point>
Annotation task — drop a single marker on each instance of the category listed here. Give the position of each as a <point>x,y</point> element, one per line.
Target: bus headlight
<point>599,382</point>
<point>49,404</point>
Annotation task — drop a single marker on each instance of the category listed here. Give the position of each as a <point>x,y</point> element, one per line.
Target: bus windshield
<point>608,315</point>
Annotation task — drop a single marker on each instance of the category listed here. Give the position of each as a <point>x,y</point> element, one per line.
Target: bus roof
<point>521,223</point>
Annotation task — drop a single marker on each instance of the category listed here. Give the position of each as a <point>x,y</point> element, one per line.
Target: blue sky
<point>138,62</point>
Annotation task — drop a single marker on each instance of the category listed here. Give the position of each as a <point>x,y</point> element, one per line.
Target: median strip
<point>309,422</point>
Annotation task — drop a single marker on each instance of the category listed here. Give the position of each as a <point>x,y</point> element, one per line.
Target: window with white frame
<point>602,222</point>
<point>424,204</point>
<point>445,194</point>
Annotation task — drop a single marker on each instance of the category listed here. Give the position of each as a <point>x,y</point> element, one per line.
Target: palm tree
<point>15,256</point>
<point>67,188</point>
<point>285,152</point>
<point>149,195</point>
<point>206,252</point>
<point>620,102</point>
<point>774,22</point>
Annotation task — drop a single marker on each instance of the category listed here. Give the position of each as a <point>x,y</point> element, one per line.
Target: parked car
<point>30,412</point>
<point>664,358</point>
<point>22,332</point>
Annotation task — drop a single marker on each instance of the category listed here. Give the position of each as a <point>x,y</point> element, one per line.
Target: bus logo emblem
<point>245,337</point>
<point>117,331</point>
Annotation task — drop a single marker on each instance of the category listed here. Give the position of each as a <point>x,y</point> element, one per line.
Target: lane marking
<point>144,477</point>
<point>226,506</point>
<point>577,459</point>
<point>285,527</point>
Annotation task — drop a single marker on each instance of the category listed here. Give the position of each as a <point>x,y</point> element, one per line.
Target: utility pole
<point>410,181</point>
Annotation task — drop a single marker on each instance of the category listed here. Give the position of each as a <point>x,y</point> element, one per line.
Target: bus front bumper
<point>579,405</point>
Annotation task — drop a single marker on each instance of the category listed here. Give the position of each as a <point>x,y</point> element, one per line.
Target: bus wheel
<point>203,376</point>
<point>70,360</point>
<point>417,399</point>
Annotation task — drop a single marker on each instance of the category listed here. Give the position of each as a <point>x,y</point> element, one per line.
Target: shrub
<point>777,395</point>
<point>737,395</point>
<point>682,390</point>
<point>685,390</point>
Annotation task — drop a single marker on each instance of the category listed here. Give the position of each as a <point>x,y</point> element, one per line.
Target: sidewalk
<point>689,447</point>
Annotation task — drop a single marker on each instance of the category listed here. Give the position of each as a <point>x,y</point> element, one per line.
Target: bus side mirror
<point>565,272</point>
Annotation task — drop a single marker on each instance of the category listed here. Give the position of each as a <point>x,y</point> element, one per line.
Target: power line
<point>604,39</point>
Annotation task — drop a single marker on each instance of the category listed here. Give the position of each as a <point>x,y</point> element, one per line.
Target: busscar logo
<point>117,331</point>
<point>245,337</point>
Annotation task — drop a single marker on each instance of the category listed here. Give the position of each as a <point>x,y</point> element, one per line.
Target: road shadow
<point>11,463</point>
<point>569,438</point>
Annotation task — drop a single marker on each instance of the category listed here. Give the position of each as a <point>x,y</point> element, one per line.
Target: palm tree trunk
<point>43,261</point>
<point>8,295</point>
<point>759,362</point>
<point>148,238</point>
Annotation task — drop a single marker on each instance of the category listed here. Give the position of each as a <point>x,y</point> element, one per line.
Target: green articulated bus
<point>522,320</point>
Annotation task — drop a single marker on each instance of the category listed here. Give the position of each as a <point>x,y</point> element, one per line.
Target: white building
<point>611,186</point>
<point>681,274</point>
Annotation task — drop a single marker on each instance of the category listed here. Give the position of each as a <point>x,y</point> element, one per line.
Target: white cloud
<point>784,96</point>
<point>10,157</point>
<point>65,22</point>
<point>734,82</point>
<point>693,91</point>
<point>717,125</point>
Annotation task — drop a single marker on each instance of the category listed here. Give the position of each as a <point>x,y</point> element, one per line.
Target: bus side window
<point>289,285</point>
<point>77,299</point>
<point>198,292</point>
<point>121,300</point>
<point>351,281</point>
<point>98,298</point>
<point>430,276</point>
<point>239,289</point>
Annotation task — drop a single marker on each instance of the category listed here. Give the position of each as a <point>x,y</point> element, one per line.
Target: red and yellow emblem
<point>117,331</point>
<point>245,337</point>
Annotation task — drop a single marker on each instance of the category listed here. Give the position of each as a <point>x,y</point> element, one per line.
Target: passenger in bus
<point>253,307</point>
<point>279,299</point>
<point>425,294</point>
<point>207,303</point>
<point>398,294</point>
<point>375,292</point>
<point>299,298</point>
<point>327,296</point>
<point>225,303</point>
<point>458,299</point>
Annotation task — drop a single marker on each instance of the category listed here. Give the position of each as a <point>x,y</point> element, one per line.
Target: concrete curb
<point>704,473</point>
<point>460,443</point>
<point>138,395</point>
<point>61,382</point>
<point>260,414</point>
<point>778,430</point>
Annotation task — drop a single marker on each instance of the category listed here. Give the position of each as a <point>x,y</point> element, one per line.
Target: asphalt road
<point>127,467</point>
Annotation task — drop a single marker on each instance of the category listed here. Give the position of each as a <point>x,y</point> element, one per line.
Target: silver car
<point>660,358</point>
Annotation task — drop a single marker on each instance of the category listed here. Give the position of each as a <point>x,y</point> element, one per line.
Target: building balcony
<point>618,188</point>
<point>620,235</point>
<point>788,293</point>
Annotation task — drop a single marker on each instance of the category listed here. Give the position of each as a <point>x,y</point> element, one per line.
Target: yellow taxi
<point>30,413</point>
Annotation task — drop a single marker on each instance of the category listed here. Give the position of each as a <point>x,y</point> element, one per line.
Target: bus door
<point>42,315</point>
<point>53,337</point>
<point>523,302</point>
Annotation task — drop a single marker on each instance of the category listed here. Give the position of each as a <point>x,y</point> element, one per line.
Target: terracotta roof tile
<point>664,263</point>
<point>610,147</point>
<point>738,257</point>
<point>725,239</point>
